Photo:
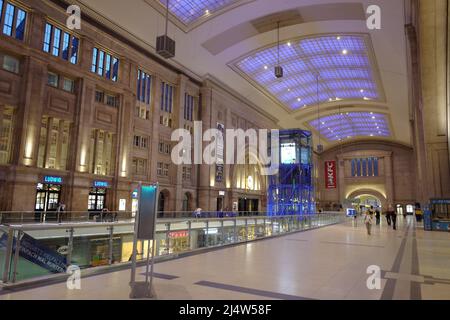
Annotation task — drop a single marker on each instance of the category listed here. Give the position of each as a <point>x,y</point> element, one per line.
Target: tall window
<point>144,85</point>
<point>105,65</point>
<point>187,173</point>
<point>163,169</point>
<point>167,93</point>
<point>96,199</point>
<point>188,107</point>
<point>366,167</point>
<point>140,142</point>
<point>101,153</point>
<point>139,166</point>
<point>53,143</point>
<point>6,135</point>
<point>60,43</point>
<point>11,64</point>
<point>13,20</point>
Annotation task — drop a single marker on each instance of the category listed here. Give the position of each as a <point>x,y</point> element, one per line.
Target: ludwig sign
<point>330,175</point>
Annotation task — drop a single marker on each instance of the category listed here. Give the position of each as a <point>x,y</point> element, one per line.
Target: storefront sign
<point>330,175</point>
<point>179,234</point>
<point>53,180</point>
<point>101,184</point>
<point>33,251</point>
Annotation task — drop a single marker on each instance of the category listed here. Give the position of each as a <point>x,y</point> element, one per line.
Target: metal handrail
<point>45,226</point>
<point>288,225</point>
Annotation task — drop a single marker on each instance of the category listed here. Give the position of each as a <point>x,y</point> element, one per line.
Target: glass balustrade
<point>46,249</point>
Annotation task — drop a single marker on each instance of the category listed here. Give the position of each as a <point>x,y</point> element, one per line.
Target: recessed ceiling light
<point>371,113</point>
<point>365,98</point>
<point>345,51</point>
<point>266,67</point>
<point>373,117</point>
<point>289,44</point>
<point>299,99</point>
<point>371,135</point>
<point>338,38</point>
<point>362,90</point>
<point>206,11</point>
<point>289,89</point>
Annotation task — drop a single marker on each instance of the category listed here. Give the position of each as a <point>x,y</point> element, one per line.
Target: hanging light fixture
<point>165,46</point>
<point>319,145</point>
<point>278,68</point>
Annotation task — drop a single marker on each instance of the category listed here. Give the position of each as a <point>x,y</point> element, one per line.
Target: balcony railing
<point>89,245</point>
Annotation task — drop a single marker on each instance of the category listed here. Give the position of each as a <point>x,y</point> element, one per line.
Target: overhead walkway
<point>326,263</point>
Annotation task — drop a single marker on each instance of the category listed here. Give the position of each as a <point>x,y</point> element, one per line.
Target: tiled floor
<point>329,263</point>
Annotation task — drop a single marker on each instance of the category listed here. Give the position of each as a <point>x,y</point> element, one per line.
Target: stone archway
<point>370,192</point>
<point>163,202</point>
<point>187,202</point>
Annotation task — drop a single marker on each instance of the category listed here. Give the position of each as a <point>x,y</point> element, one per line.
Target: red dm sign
<point>330,175</point>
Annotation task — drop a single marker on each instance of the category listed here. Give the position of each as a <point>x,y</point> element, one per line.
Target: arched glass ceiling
<point>341,126</point>
<point>343,63</point>
<point>187,11</point>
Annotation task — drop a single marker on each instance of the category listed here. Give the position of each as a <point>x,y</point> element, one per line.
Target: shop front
<point>48,196</point>
<point>248,206</point>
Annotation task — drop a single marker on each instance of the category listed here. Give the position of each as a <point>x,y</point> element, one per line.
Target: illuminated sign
<point>122,204</point>
<point>101,184</point>
<point>288,153</point>
<point>330,175</point>
<point>221,193</point>
<point>179,234</point>
<point>52,179</point>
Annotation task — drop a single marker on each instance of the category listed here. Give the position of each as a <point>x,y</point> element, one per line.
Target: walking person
<point>393,216</point>
<point>368,221</point>
<point>378,216</point>
<point>60,212</point>
<point>388,217</point>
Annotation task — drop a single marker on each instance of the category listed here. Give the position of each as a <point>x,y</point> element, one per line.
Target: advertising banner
<point>220,153</point>
<point>33,251</point>
<point>330,175</point>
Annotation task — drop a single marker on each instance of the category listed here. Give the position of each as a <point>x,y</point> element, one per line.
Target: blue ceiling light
<point>341,126</point>
<point>342,63</point>
<point>188,11</point>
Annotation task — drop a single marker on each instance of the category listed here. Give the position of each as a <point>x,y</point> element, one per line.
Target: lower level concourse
<point>327,263</point>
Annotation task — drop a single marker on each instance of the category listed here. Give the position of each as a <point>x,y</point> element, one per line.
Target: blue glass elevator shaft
<point>291,191</point>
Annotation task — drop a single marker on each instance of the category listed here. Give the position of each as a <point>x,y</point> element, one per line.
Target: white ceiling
<point>140,21</point>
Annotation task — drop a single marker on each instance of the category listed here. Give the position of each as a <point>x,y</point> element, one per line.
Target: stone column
<point>178,123</point>
<point>389,179</point>
<point>204,191</point>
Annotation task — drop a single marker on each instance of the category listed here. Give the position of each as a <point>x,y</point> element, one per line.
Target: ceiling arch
<point>206,47</point>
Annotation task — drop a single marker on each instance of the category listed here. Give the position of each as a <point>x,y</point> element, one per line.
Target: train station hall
<point>224,150</point>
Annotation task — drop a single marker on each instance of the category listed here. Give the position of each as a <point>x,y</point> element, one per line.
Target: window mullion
<point>14,22</point>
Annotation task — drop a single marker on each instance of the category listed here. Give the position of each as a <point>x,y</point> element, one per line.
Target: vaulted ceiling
<point>336,70</point>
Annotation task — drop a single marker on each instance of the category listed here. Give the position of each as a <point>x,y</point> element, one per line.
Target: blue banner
<point>33,251</point>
